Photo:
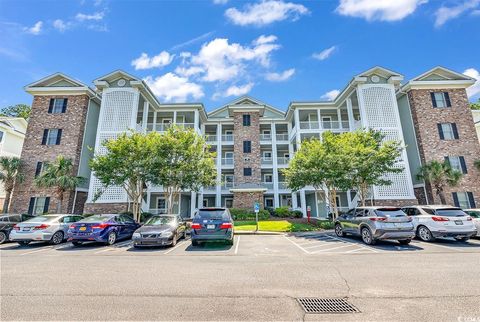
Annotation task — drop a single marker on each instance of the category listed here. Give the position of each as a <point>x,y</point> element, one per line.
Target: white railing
<point>282,185</point>
<point>227,185</point>
<point>309,125</point>
<point>282,137</point>
<point>227,161</point>
<point>162,127</point>
<point>265,137</point>
<point>283,160</point>
<point>268,185</point>
<point>325,125</point>
<point>186,125</point>
<point>211,138</point>
<point>267,161</point>
<point>227,138</point>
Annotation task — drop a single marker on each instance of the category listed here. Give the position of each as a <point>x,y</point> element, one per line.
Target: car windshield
<point>42,218</point>
<point>474,214</point>
<point>389,213</point>
<point>160,220</point>
<point>451,212</point>
<point>97,218</point>
<point>210,214</point>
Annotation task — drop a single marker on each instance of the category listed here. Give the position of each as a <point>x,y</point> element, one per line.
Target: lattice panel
<point>400,186</point>
<point>391,134</point>
<point>379,107</point>
<point>117,111</point>
<point>102,137</point>
<point>111,194</point>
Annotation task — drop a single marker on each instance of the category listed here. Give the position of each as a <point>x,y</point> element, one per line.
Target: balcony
<point>266,161</point>
<point>282,185</point>
<point>265,137</point>
<point>283,160</point>
<point>227,161</point>
<point>228,138</point>
<point>325,125</point>
<point>186,125</point>
<point>282,137</point>
<point>227,185</point>
<point>268,185</point>
<point>162,127</point>
<point>211,138</point>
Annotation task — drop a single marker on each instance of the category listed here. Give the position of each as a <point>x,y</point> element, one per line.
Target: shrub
<point>144,216</point>
<point>263,214</point>
<point>297,214</point>
<point>326,224</point>
<point>242,214</point>
<point>282,212</point>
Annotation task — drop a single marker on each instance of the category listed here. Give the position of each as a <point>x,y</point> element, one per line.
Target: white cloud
<point>223,61</point>
<point>220,1</point>
<point>384,10</point>
<point>444,14</point>
<point>95,16</point>
<point>36,29</point>
<point>475,88</point>
<point>172,88</point>
<point>60,25</point>
<point>324,54</point>
<point>238,90</point>
<point>280,77</point>
<point>331,95</point>
<point>145,62</point>
<point>188,71</point>
<point>265,13</point>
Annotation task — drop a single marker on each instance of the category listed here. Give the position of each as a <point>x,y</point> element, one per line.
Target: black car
<point>160,230</point>
<point>7,222</point>
<point>212,224</point>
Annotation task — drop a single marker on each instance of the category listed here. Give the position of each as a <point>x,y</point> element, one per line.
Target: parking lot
<point>260,277</point>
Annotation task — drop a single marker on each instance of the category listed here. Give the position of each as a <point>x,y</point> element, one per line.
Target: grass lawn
<point>279,226</point>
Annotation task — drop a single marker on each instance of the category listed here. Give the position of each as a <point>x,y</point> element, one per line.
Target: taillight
<point>196,226</point>
<point>101,226</point>
<point>71,227</point>
<point>226,225</point>
<point>378,218</point>
<point>41,227</point>
<point>15,227</point>
<point>435,218</point>
<point>469,219</point>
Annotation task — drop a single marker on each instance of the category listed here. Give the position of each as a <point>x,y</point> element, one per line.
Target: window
<point>228,132</point>
<point>228,155</point>
<point>267,155</point>
<point>247,146</point>
<point>57,105</point>
<point>448,131</point>
<point>269,202</point>
<point>268,178</point>
<point>247,172</point>
<point>457,163</point>
<point>440,99</point>
<point>228,202</point>
<point>39,168</point>
<point>205,203</point>
<point>161,205</point>
<point>52,136</point>
<point>246,119</point>
<point>38,205</point>
<point>463,200</point>
<point>229,179</point>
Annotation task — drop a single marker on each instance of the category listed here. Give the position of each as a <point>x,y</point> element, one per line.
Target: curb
<point>252,232</point>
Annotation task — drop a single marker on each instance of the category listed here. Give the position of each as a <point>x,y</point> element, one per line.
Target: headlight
<point>136,235</point>
<point>166,233</point>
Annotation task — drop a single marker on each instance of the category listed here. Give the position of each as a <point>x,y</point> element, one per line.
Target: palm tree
<point>59,176</point>
<point>10,173</point>
<point>440,175</point>
<point>477,164</point>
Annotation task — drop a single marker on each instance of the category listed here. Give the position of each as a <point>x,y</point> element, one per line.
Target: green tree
<point>10,173</point>
<point>322,165</point>
<point>19,110</point>
<point>128,163</point>
<point>439,175</point>
<point>475,106</point>
<point>477,165</point>
<point>372,157</point>
<point>183,161</point>
<point>59,176</point>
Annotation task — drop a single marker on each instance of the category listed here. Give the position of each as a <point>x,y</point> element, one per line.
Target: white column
<point>218,198</point>
<point>320,125</point>
<point>149,197</point>
<point>316,204</point>
<point>196,123</point>
<point>349,198</point>
<point>297,133</point>
<point>193,203</point>
<point>327,201</point>
<point>339,117</point>
<point>145,116</point>
<point>174,117</point>
<point>154,121</point>
<point>294,200</point>
<point>351,120</point>
<point>273,130</point>
<point>200,199</point>
<point>303,203</point>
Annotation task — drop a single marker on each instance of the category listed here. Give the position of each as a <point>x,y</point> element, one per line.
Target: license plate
<point>458,222</point>
<point>83,228</point>
<point>25,229</point>
<point>210,226</point>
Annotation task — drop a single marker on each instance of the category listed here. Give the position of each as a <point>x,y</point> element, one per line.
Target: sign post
<point>256,208</point>
<point>309,213</point>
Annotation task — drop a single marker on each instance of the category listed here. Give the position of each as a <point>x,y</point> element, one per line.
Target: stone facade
<point>105,208</point>
<point>246,200</point>
<point>421,196</point>
<point>72,123</point>
<point>431,147</point>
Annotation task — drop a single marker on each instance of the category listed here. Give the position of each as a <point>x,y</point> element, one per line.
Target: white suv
<point>431,222</point>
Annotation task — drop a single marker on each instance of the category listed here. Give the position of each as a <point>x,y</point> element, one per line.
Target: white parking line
<point>359,245</point>
<point>108,249</point>
<point>173,248</point>
<point>303,249</point>
<point>329,249</point>
<point>37,250</point>
<point>237,244</point>
<point>442,246</point>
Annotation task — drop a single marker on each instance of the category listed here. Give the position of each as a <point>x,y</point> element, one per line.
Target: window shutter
<point>471,200</point>
<point>45,135</point>
<point>440,131</point>
<point>50,107</point>
<point>447,99</point>
<point>38,169</point>
<point>47,203</point>
<point>31,205</point>
<point>455,199</point>
<point>463,164</point>
<point>447,160</point>
<point>64,107</point>
<point>434,102</point>
<point>59,136</point>
<point>455,130</point>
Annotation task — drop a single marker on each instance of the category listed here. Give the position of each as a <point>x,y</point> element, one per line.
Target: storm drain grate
<point>332,305</point>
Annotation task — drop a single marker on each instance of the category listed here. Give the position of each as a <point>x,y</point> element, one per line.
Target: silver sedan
<point>47,228</point>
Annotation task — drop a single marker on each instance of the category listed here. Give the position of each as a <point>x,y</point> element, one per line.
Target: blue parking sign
<point>256,207</point>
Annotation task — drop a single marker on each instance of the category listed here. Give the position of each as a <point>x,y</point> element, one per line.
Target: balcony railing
<point>324,125</point>
<point>268,185</point>
<point>282,137</point>
<point>210,138</point>
<point>186,125</point>
<point>227,161</point>
<point>283,160</point>
<point>282,185</point>
<point>266,161</point>
<point>162,127</point>
<point>227,138</point>
<point>265,137</point>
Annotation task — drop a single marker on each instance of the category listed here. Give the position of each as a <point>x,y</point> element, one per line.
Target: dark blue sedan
<point>102,228</point>
<point>212,224</point>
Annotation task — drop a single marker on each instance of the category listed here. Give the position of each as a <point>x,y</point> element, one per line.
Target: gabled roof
<point>59,83</point>
<point>116,75</point>
<point>246,102</point>
<point>438,77</point>
<point>17,124</point>
<point>56,78</point>
<point>442,73</point>
<point>379,70</point>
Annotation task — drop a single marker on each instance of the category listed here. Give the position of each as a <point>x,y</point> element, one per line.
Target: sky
<point>213,51</point>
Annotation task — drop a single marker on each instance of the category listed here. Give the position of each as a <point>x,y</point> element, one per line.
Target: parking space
<point>299,244</point>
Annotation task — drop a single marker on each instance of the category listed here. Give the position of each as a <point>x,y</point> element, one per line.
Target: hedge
<point>242,214</point>
<point>285,212</point>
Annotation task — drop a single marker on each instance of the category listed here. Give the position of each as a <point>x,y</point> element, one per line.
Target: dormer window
<point>57,105</point>
<point>440,99</point>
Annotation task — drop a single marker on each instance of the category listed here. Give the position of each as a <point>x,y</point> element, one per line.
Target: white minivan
<point>432,222</point>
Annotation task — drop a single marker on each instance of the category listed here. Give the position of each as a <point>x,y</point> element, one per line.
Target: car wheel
<point>195,243</point>
<point>230,241</point>
<point>339,230</point>
<point>76,243</point>
<point>404,241</point>
<point>23,242</point>
<point>57,238</point>
<point>367,236</point>
<point>462,239</point>
<point>184,236</point>
<point>425,234</point>
<point>3,237</point>
<point>112,238</point>
<point>174,240</point>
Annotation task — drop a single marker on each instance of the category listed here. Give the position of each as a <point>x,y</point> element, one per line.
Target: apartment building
<point>253,140</point>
